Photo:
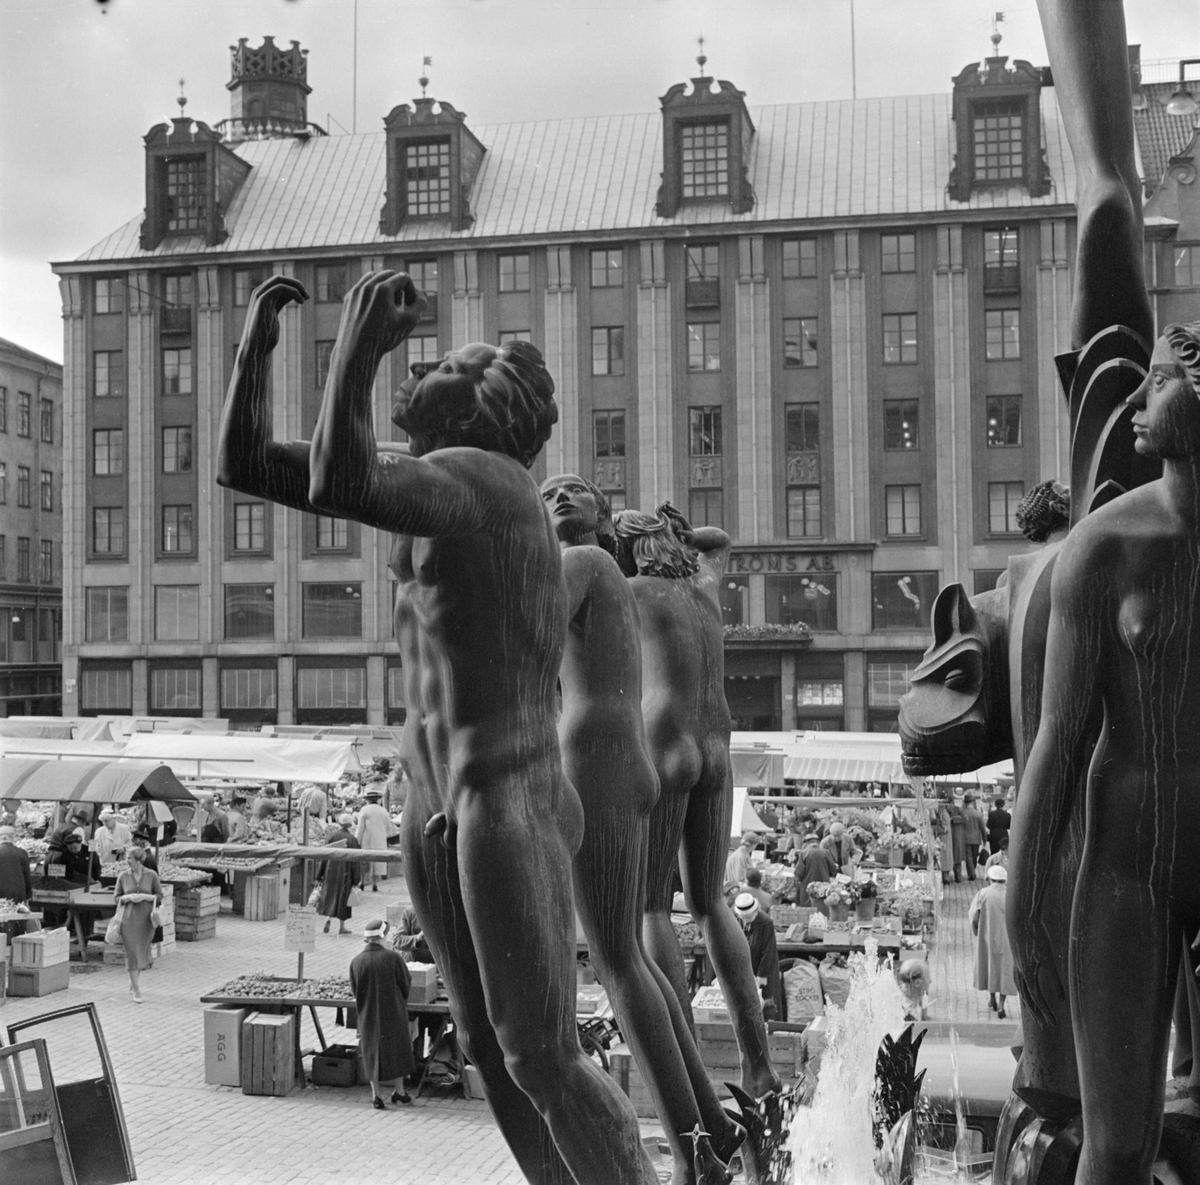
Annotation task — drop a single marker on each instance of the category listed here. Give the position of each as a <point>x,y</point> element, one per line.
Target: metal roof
<point>1160,136</point>
<point>843,160</point>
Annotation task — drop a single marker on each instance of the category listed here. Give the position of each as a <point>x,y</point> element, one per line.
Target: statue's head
<point>1045,512</point>
<point>497,398</point>
<point>579,509</point>
<point>1166,419</point>
<point>648,546</point>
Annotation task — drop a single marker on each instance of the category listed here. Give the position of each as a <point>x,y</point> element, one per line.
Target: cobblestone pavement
<point>185,1132</point>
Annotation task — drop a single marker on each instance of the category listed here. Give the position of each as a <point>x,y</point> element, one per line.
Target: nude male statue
<point>491,823</point>
<point>603,742</point>
<point>678,572</point>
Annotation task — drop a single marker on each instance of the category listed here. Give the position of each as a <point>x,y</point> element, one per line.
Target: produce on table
<point>8,905</point>
<point>54,884</point>
<point>260,986</point>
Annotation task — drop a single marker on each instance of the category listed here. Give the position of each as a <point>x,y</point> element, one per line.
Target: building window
<point>899,337</point>
<point>608,469</point>
<point>427,178</point>
<point>985,579</point>
<point>46,562</point>
<point>901,424</point>
<point>4,409</point>
<point>332,534</point>
<point>423,349</point>
<point>608,268</point>
<point>249,611</point>
<point>331,687</point>
<point>799,341</point>
<point>514,273</point>
<point>3,557</point>
<point>704,150</point>
<point>397,707</point>
<point>1003,499</point>
<point>47,421</point>
<point>331,283</point>
<point>248,688</point>
<point>245,280</point>
<point>799,259</point>
<point>810,600</point>
<point>735,600</point>
<point>324,354</point>
<point>819,693</point>
<point>704,345</point>
<point>514,335</point>
<point>1001,263</point>
<point>706,503</point>
<point>23,485</point>
<point>23,559</point>
<point>177,290</point>
<point>186,198</point>
<point>332,610</point>
<point>249,526</point>
<point>704,431</point>
<point>802,442</point>
<point>703,263</point>
<point>177,529</point>
<point>424,274</point>
<point>175,689</point>
<point>108,452</point>
<point>107,614</point>
<point>608,350</point>
<point>3,483</point>
<point>998,147</point>
<point>108,294</point>
<point>903,509</point>
<point>706,508</point>
<point>902,600</point>
<point>1003,329</point>
<point>899,253</point>
<point>177,449</point>
<point>106,690</point>
<point>177,371</point>
<point>108,530</point>
<point>1003,420</point>
<point>177,613</point>
<point>108,374</point>
<point>1187,266</point>
<point>47,490</point>
<point>24,400</point>
<point>804,512</point>
<point>887,682</point>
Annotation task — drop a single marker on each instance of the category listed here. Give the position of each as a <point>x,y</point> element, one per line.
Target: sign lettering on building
<point>780,561</point>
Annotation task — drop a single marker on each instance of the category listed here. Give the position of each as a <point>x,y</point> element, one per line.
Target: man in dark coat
<point>337,878</point>
<point>380,980</point>
<point>15,878</point>
<point>976,833</point>
<point>998,823</point>
<point>764,955</point>
<point>815,864</point>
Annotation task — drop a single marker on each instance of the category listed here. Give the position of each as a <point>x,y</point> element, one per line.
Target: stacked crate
<point>262,898</point>
<point>196,913</point>
<point>167,910</point>
<point>268,1054</point>
<point>39,963</point>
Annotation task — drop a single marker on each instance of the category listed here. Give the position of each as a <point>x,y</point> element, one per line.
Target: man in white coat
<point>374,827</point>
<point>112,838</point>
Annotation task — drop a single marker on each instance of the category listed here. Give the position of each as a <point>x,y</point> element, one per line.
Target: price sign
<point>300,929</point>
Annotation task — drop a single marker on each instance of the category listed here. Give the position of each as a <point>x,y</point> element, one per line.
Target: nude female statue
<point>687,730</point>
<point>491,823</point>
<point>603,742</point>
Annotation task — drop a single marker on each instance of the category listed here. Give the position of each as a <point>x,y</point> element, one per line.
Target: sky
<point>83,81</point>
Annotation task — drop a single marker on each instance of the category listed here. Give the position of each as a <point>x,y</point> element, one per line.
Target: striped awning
<point>45,779</point>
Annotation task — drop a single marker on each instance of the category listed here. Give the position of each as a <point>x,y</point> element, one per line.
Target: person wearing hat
<point>814,864</point>
<point>68,856</point>
<point>380,981</point>
<point>764,954</point>
<point>374,827</point>
<point>993,954</point>
<point>112,837</point>
<point>975,833</point>
<point>845,852</point>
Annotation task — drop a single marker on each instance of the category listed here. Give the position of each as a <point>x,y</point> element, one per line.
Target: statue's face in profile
<point>572,507</point>
<point>444,396</point>
<point>1166,420</point>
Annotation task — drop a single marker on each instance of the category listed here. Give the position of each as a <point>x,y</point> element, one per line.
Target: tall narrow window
<point>903,509</point>
<point>514,273</point>
<point>23,485</point>
<point>331,534</point>
<point>427,178</point>
<point>46,562</point>
<point>249,526</point>
<point>177,371</point>
<point>424,273</point>
<point>1003,421</point>
<point>3,557</point>
<point>1001,270</point>
<point>799,259</point>
<point>608,466</point>
<point>899,253</point>
<point>608,350</point>
<point>108,374</point>
<point>331,283</point>
<point>108,530</point>
<point>704,345</point>
<point>177,529</point>
<point>47,489</point>
<point>4,409</point>
<point>704,151</point>
<point>186,199</point>
<point>899,337</point>
<point>24,414</point>
<point>706,506</point>
<point>23,559</point>
<point>608,268</point>
<point>802,435</point>
<point>245,280</point>
<point>799,341</point>
<point>177,449</point>
<point>901,424</point>
<point>108,294</point>
<point>108,452</point>
<point>1003,499</point>
<point>324,356</point>
<point>3,483</point>
<point>997,136</point>
<point>47,421</point>
<point>1003,331</point>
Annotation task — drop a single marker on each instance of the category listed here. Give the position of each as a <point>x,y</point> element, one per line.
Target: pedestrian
<point>993,955</point>
<point>374,827</point>
<point>958,838</point>
<point>814,865</point>
<point>335,878</point>
<point>975,833</point>
<point>380,981</point>
<point>112,837</point>
<point>845,852</point>
<point>764,954</point>
<point>738,862</point>
<point>753,884</point>
<point>998,823</point>
<point>999,857</point>
<point>940,824</point>
<point>138,894</point>
<point>236,818</point>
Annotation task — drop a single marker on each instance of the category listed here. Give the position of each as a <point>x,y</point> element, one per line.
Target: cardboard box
<point>424,983</point>
<point>268,1054</point>
<point>39,981</point>
<point>223,1045</point>
<point>43,949</point>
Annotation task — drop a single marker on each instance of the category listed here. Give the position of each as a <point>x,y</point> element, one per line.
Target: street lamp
<point>1183,102</point>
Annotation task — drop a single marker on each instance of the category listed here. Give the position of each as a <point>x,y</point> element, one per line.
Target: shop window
<point>106,689</point>
<point>809,599</point>
<point>735,600</point>
<point>887,682</point>
<point>174,689</point>
<point>396,706</point>
<point>331,688</point>
<point>249,689</point>
<point>902,600</point>
<point>985,579</point>
<point>106,612</point>
<point>249,611</point>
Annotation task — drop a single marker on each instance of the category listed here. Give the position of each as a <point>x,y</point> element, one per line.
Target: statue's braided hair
<point>653,545</point>
<point>1044,510</point>
<point>1185,341</point>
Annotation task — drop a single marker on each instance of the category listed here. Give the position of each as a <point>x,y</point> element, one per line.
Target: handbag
<point>356,897</point>
<point>156,919</point>
<point>112,932</point>
<point>314,897</point>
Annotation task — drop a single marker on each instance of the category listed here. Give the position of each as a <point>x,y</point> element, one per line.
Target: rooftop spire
<point>182,100</point>
<point>701,57</point>
<point>997,21</point>
<point>424,79</point>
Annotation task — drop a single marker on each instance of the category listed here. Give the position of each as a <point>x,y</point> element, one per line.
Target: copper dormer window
<point>705,160</point>
<point>998,142</point>
<point>186,199</point>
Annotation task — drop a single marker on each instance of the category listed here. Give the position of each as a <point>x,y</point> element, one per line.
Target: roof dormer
<point>191,179</point>
<point>432,162</point>
<point>707,136</point>
<point>998,129</point>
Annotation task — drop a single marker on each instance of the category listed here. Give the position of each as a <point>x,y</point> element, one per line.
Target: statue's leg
<point>431,868</point>
<point>516,837</point>
<point>706,836</point>
<point>1088,56</point>
<point>662,861</point>
<point>1121,1000</point>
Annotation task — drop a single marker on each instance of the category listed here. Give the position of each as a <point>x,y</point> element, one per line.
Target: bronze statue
<point>678,572</point>
<point>603,743</point>
<point>491,824</point>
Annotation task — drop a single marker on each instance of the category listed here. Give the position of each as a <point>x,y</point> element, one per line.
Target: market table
<point>83,905</point>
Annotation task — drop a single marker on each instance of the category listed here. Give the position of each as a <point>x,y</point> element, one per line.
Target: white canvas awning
<point>48,779</point>
<point>744,817</point>
<point>253,758</point>
<point>756,765</point>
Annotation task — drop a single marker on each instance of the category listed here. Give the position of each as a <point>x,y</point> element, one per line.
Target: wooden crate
<point>262,898</point>
<point>195,930</point>
<point>268,1054</point>
<point>41,950</point>
<point>39,981</point>
<point>198,902</point>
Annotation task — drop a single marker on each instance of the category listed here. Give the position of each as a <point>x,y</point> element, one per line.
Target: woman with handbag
<point>338,878</point>
<point>139,894</point>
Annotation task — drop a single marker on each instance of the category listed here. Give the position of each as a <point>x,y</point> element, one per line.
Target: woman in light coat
<point>993,955</point>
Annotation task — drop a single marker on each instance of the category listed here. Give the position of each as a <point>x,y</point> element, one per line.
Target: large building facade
<point>31,439</point>
<point>829,328</point>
